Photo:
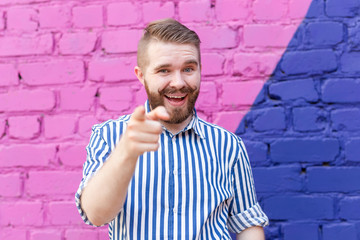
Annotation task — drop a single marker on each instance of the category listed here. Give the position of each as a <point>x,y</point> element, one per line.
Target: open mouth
<point>175,99</point>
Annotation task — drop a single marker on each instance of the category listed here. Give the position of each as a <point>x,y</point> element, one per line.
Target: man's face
<point>172,78</point>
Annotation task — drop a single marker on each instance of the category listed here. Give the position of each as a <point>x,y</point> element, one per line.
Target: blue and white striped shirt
<point>198,185</point>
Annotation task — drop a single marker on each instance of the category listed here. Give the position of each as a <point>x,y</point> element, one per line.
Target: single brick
<point>324,33</point>
<point>299,207</point>
<point>108,69</point>
<point>277,179</point>
<point>26,45</point>
<point>64,213</point>
<point>27,100</point>
<point>300,231</point>
<point>18,155</point>
<point>229,120</point>
<point>122,13</point>
<point>21,213</point>
<point>308,9</point>
<point>62,126</point>
<point>76,98</point>
<point>77,43</point>
<point>354,37</point>
<point>309,119</point>
<point>231,10</point>
<point>342,8</point>
<point>261,9</point>
<point>74,234</point>
<point>241,93</point>
<point>259,64</point>
<point>115,98</point>
<point>197,11</point>
<point>45,234</point>
<point>333,179</point>
<point>313,61</point>
<point>261,118</point>
<point>89,16</point>
<point>212,64</point>
<point>352,149</point>
<point>85,124</point>
<point>10,185</point>
<point>345,119</point>
<point>157,10</point>
<point>11,233</point>
<point>121,41</point>
<point>216,37</point>
<point>57,16</point>
<point>338,231</point>
<point>341,90</point>
<point>53,72</point>
<point>24,127</point>
<point>72,155</point>
<point>257,151</point>
<point>304,150</point>
<point>58,183</point>
<point>347,207</point>
<point>294,89</point>
<point>349,62</point>
<point>22,19</point>
<point>208,96</point>
<point>9,75</point>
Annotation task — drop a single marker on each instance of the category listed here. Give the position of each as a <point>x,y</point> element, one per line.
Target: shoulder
<point>111,126</point>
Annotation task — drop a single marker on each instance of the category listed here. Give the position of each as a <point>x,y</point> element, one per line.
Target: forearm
<point>252,233</point>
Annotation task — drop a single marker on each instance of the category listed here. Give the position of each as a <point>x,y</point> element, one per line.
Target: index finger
<point>158,113</point>
<point>139,113</point>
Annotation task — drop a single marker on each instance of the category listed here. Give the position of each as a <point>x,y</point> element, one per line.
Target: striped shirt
<point>197,185</point>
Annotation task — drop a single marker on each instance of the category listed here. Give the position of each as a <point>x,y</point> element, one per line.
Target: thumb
<point>158,113</point>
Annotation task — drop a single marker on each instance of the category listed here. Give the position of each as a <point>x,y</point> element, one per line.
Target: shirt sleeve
<point>97,152</point>
<point>245,210</point>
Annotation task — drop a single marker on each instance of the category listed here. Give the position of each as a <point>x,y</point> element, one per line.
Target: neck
<point>175,128</point>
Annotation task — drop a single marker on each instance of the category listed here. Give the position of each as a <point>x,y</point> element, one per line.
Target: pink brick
<point>27,100</point>
<point>76,98</point>
<point>298,9</point>
<point>158,10</point>
<point>77,43</point>
<point>212,64</point>
<point>75,234</point>
<point>218,37</point>
<point>2,20</point>
<point>21,213</point>
<point>140,98</point>
<point>53,72</point>
<point>112,70</point>
<point>26,155</point>
<point>5,2</point>
<point>2,127</point>
<point>45,235</point>
<point>197,11</point>
<point>24,127</point>
<point>9,75</point>
<point>121,41</point>
<point>64,213</point>
<point>240,93</point>
<point>72,154</point>
<point>11,233</point>
<point>208,95</point>
<point>122,13</point>
<point>115,98</point>
<point>23,19</point>
<point>26,45</point>
<point>54,16</point>
<point>277,9</point>
<point>10,185</point>
<point>85,125</point>
<point>229,120</point>
<point>230,10</point>
<point>255,64</point>
<point>57,184</point>
<point>265,35</point>
<point>89,16</point>
<point>59,126</point>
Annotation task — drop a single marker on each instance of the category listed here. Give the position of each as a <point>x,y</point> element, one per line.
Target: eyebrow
<point>161,66</point>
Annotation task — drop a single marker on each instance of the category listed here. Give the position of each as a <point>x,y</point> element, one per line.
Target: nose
<point>177,81</point>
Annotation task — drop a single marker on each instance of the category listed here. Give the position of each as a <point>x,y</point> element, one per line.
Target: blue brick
<point>269,119</point>
<point>354,37</point>
<point>350,62</point>
<point>299,207</point>
<point>316,9</point>
<point>278,179</point>
<point>341,90</point>
<point>256,150</point>
<point>352,150</point>
<point>339,231</point>
<point>342,8</point>
<point>300,231</point>
<point>304,150</point>
<point>295,89</point>
<point>324,33</point>
<point>309,62</point>
<point>349,208</point>
<point>309,119</point>
<point>333,179</point>
<point>346,119</point>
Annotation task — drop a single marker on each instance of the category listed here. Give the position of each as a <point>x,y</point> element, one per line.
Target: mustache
<point>171,90</point>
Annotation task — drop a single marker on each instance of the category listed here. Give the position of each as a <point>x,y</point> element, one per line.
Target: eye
<point>163,71</point>
<point>188,69</point>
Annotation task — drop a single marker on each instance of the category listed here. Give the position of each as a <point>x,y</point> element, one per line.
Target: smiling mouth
<point>175,99</point>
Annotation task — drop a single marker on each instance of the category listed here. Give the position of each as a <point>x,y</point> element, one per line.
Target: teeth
<point>174,97</point>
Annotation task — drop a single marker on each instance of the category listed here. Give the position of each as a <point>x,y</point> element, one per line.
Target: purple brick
<point>261,119</point>
<point>342,8</point>
<point>300,231</point>
<point>324,33</point>
<point>304,150</point>
<point>294,89</point>
<point>349,207</point>
<point>299,207</point>
<point>312,61</point>
<point>256,151</point>
<point>350,62</point>
<point>341,90</point>
<point>352,150</point>
<point>308,119</point>
<point>345,119</point>
<point>338,231</point>
<point>333,179</point>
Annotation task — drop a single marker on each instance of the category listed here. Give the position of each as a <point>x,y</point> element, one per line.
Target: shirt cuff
<point>253,216</point>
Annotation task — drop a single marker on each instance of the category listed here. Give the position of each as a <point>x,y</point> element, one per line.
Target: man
<point>163,173</point>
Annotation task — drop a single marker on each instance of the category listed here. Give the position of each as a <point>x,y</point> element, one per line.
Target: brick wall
<point>282,74</point>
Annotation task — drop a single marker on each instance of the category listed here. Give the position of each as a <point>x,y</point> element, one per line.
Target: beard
<point>177,114</point>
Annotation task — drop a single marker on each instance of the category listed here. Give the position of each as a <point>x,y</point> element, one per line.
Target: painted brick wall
<point>283,74</point>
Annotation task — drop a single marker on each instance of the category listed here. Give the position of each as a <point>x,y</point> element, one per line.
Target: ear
<point>139,74</point>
